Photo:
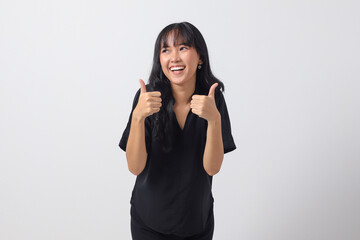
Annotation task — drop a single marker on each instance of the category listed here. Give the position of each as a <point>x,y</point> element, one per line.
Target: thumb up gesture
<point>205,106</point>
<point>148,103</point>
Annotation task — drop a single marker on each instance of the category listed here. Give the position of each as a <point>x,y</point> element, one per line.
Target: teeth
<point>176,68</point>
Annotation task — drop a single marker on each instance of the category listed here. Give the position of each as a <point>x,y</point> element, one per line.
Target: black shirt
<point>172,195</point>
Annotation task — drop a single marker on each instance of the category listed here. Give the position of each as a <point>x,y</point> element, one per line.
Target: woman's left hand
<point>205,106</point>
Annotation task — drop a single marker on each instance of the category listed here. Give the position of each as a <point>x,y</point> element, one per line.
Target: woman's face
<point>179,62</point>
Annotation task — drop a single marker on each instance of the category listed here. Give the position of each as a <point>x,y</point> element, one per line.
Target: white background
<point>69,71</point>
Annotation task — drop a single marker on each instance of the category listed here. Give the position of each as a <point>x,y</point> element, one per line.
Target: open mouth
<point>177,69</point>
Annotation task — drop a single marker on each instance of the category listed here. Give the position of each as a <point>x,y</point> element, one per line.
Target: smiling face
<point>179,62</point>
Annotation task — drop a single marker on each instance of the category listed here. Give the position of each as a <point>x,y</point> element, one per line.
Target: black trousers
<point>140,231</point>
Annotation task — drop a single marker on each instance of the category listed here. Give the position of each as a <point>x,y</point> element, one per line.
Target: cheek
<point>193,59</point>
<point>163,63</point>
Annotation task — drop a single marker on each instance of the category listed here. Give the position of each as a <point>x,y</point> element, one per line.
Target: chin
<point>178,81</point>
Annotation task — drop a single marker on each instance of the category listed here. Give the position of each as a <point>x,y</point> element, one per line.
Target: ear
<point>200,61</point>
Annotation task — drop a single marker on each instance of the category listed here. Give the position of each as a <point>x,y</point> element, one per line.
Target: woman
<point>175,140</point>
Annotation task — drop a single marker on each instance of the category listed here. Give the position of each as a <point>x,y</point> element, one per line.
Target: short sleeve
<point>228,141</point>
<point>125,135</point>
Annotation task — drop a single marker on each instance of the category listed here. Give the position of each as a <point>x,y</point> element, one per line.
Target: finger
<point>142,86</point>
<point>155,94</point>
<point>194,106</point>
<point>212,90</point>
<point>155,99</point>
<point>194,97</point>
<point>197,101</point>
<point>154,110</point>
<point>195,111</point>
<point>156,105</point>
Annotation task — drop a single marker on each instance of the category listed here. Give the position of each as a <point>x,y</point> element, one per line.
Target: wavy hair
<point>192,37</point>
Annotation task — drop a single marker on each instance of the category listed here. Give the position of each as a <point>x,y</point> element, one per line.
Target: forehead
<point>173,38</point>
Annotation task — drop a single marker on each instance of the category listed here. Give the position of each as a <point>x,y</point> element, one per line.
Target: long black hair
<point>192,37</point>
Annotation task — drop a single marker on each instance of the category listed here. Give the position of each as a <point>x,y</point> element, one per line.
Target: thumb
<point>212,90</point>
<point>142,86</point>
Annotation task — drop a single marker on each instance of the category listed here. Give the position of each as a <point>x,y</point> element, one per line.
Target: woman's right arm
<point>136,154</point>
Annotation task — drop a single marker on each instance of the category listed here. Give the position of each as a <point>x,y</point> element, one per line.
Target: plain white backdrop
<point>69,71</point>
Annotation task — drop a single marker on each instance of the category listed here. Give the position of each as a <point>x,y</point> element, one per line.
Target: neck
<point>182,93</point>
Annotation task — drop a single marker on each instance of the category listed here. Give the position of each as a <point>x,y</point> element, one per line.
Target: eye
<point>183,48</point>
<point>164,50</point>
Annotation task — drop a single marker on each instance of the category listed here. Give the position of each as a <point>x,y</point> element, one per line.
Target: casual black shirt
<point>172,195</point>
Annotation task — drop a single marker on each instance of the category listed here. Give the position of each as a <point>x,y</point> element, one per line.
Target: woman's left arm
<point>205,107</point>
<point>214,150</point>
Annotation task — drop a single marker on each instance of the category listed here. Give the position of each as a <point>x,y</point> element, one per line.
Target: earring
<point>199,66</point>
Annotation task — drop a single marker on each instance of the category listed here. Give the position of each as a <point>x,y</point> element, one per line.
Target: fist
<point>205,106</point>
<point>149,102</point>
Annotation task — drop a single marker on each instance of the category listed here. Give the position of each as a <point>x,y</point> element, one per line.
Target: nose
<point>175,57</point>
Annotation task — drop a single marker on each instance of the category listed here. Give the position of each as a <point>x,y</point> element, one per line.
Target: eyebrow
<point>183,43</point>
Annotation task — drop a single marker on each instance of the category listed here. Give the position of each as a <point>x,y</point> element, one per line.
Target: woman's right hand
<point>148,103</point>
